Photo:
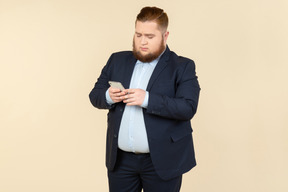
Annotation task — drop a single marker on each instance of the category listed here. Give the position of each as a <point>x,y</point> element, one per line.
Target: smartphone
<point>116,84</point>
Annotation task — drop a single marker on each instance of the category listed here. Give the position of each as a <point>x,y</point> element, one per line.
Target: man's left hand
<point>134,96</point>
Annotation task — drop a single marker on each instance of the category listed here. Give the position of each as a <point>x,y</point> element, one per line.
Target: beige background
<point>52,51</point>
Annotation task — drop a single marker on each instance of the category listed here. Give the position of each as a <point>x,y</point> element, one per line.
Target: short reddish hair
<point>154,14</point>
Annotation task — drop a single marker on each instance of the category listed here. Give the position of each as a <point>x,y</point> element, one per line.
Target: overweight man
<point>152,95</point>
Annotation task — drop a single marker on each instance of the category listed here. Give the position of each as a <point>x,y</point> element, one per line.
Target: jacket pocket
<point>178,135</point>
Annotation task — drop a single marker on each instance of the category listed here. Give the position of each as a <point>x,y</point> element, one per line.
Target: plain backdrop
<point>52,52</point>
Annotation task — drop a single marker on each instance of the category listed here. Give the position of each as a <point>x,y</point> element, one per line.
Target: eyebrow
<point>146,34</point>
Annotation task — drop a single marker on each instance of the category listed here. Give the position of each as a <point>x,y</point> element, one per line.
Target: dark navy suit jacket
<point>173,98</point>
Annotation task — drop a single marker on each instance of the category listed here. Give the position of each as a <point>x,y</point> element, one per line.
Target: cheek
<point>136,42</point>
<point>154,45</point>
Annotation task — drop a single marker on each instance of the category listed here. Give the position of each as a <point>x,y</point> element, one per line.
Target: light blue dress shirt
<point>132,133</point>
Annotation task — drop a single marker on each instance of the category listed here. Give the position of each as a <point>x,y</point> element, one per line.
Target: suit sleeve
<point>98,93</point>
<point>184,105</point>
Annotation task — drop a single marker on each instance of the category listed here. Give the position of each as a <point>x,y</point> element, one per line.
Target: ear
<point>166,34</point>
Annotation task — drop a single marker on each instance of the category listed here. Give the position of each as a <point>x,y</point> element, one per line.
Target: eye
<point>150,37</point>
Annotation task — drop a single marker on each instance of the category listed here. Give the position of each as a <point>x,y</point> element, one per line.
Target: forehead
<point>147,27</point>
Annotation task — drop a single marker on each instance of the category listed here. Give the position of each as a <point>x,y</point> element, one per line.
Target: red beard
<point>150,56</point>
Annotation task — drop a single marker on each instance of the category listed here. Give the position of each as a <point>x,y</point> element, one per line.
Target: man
<point>149,136</point>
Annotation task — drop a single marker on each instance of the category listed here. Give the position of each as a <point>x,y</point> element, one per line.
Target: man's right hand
<point>116,94</point>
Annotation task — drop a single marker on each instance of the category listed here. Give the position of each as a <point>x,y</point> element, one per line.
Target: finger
<point>126,100</point>
<point>129,91</point>
<point>114,90</point>
<point>126,96</point>
<point>129,100</point>
<point>118,95</point>
<point>116,99</point>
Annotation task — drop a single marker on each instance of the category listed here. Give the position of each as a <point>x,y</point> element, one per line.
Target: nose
<point>143,40</point>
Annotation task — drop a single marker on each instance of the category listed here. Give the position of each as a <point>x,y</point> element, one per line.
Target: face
<point>149,41</point>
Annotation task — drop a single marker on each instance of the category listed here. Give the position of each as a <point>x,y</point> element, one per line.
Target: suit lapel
<point>128,71</point>
<point>159,68</point>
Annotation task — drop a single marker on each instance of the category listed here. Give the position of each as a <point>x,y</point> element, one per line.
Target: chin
<point>147,55</point>
<point>144,53</point>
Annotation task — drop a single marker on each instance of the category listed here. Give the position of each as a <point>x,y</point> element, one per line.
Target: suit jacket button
<point>115,136</point>
<point>121,109</point>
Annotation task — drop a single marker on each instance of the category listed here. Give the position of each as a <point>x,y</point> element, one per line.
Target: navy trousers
<point>134,172</point>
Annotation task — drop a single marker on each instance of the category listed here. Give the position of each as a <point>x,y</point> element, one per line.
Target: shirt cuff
<point>108,98</point>
<point>145,102</point>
